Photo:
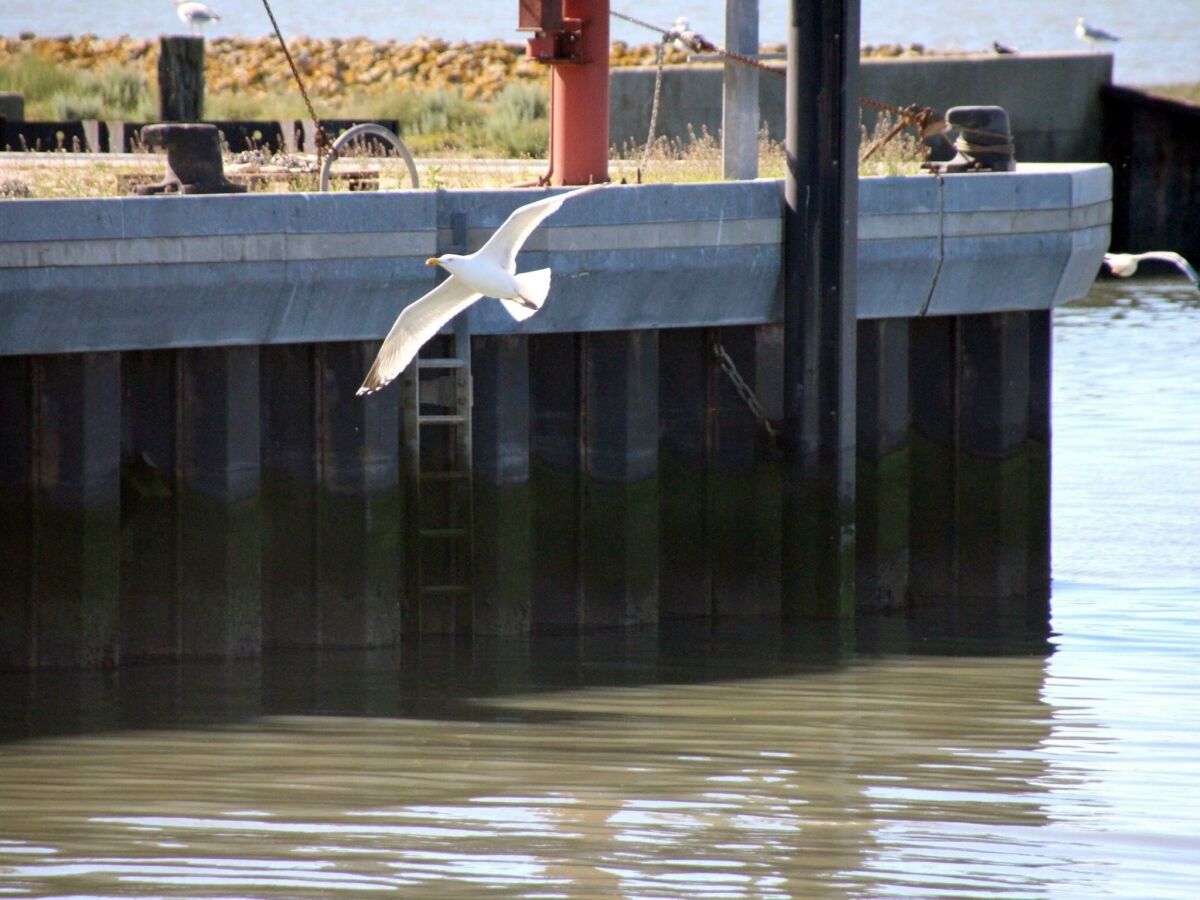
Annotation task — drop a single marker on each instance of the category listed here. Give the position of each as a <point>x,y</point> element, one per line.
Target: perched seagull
<point>1091,35</point>
<point>687,40</point>
<point>194,15</point>
<point>490,270</point>
<point>1003,48</point>
<point>1125,264</point>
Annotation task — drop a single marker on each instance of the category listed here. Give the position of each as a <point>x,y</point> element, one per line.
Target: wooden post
<point>739,109</point>
<point>820,237</point>
<point>180,78</point>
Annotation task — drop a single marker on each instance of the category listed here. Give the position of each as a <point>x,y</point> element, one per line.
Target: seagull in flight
<point>194,15</point>
<point>1125,264</point>
<point>1089,34</point>
<point>489,271</point>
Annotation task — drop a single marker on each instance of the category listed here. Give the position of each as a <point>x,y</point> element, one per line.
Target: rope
<point>322,139</point>
<point>966,142</point>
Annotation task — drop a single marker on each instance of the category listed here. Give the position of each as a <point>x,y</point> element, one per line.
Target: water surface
<point>892,757</point>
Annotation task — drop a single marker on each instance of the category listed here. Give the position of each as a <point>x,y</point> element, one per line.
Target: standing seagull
<point>1090,35</point>
<point>194,15</point>
<point>490,270</point>
<point>1125,264</point>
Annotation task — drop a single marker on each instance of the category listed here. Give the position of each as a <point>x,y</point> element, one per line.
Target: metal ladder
<point>436,392</point>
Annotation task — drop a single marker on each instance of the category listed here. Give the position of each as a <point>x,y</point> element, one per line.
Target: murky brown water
<point>886,758</point>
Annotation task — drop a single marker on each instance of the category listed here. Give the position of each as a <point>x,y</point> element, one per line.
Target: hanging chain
<point>744,390</point>
<point>658,53</point>
<point>321,138</point>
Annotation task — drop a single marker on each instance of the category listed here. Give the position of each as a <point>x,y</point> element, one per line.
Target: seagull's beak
<point>432,261</point>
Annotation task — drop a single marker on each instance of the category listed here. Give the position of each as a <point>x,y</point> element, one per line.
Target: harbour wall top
<point>148,273</point>
<point>1053,99</point>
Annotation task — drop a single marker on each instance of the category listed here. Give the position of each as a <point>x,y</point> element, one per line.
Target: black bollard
<point>193,160</point>
<point>984,142</point>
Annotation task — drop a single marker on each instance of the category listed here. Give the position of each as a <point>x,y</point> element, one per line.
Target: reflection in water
<point>891,757</point>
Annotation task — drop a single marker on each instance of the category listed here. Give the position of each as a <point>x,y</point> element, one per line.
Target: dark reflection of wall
<point>941,713</point>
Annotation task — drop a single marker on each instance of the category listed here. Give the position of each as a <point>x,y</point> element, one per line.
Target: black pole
<point>820,241</point>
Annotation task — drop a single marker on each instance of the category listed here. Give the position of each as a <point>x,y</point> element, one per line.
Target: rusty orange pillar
<point>579,100</point>
<point>572,37</point>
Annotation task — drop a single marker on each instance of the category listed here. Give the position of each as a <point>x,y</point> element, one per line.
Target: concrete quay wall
<point>186,472</point>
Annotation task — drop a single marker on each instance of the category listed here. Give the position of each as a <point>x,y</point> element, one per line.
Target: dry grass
<point>697,159</point>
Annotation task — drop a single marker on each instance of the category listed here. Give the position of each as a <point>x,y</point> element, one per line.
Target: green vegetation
<point>513,123</point>
<point>57,93</point>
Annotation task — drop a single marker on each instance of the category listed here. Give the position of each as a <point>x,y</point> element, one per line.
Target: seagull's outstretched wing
<point>1170,256</point>
<point>503,246</point>
<point>418,322</point>
<point>1124,265</point>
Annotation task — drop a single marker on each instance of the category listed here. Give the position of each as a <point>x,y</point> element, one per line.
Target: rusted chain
<point>653,111</point>
<point>922,119</point>
<point>707,46</point>
<point>725,361</point>
<point>321,138</point>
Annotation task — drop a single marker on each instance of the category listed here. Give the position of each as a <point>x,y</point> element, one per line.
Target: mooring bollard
<point>984,142</point>
<point>193,160</point>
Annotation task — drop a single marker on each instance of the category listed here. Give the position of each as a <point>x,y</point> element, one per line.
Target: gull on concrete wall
<point>195,15</point>
<point>489,271</point>
<point>1125,264</point>
<point>1090,34</point>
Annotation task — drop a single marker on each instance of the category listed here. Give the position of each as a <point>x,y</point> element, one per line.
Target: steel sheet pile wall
<point>185,470</point>
<point>1150,142</point>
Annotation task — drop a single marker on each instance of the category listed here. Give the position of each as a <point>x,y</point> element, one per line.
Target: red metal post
<point>579,100</point>
<point>572,37</point>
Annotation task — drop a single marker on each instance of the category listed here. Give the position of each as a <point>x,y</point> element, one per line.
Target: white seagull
<point>194,15</point>
<point>1089,34</point>
<point>1125,264</point>
<point>682,36</point>
<point>489,271</point>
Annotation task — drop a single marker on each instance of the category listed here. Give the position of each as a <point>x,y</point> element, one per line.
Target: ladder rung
<point>447,363</point>
<point>443,532</point>
<point>441,420</point>
<point>443,476</point>
<point>445,588</point>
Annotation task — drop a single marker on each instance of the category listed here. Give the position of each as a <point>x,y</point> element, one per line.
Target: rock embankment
<point>334,66</point>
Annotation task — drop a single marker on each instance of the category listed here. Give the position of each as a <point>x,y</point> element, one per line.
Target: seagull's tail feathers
<point>533,286</point>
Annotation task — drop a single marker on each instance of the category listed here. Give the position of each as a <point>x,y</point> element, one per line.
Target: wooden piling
<point>220,538</point>
<point>289,495</point>
<point>501,577</point>
<point>555,481</point>
<point>820,246</point>
<point>17,623</point>
<point>684,404</point>
<point>150,613</point>
<point>358,535</point>
<point>75,443</point>
<point>619,551</point>
<point>884,473</point>
<point>180,78</point>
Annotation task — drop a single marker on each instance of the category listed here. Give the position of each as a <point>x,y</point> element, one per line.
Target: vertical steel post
<point>579,100</point>
<point>739,109</point>
<point>819,307</point>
